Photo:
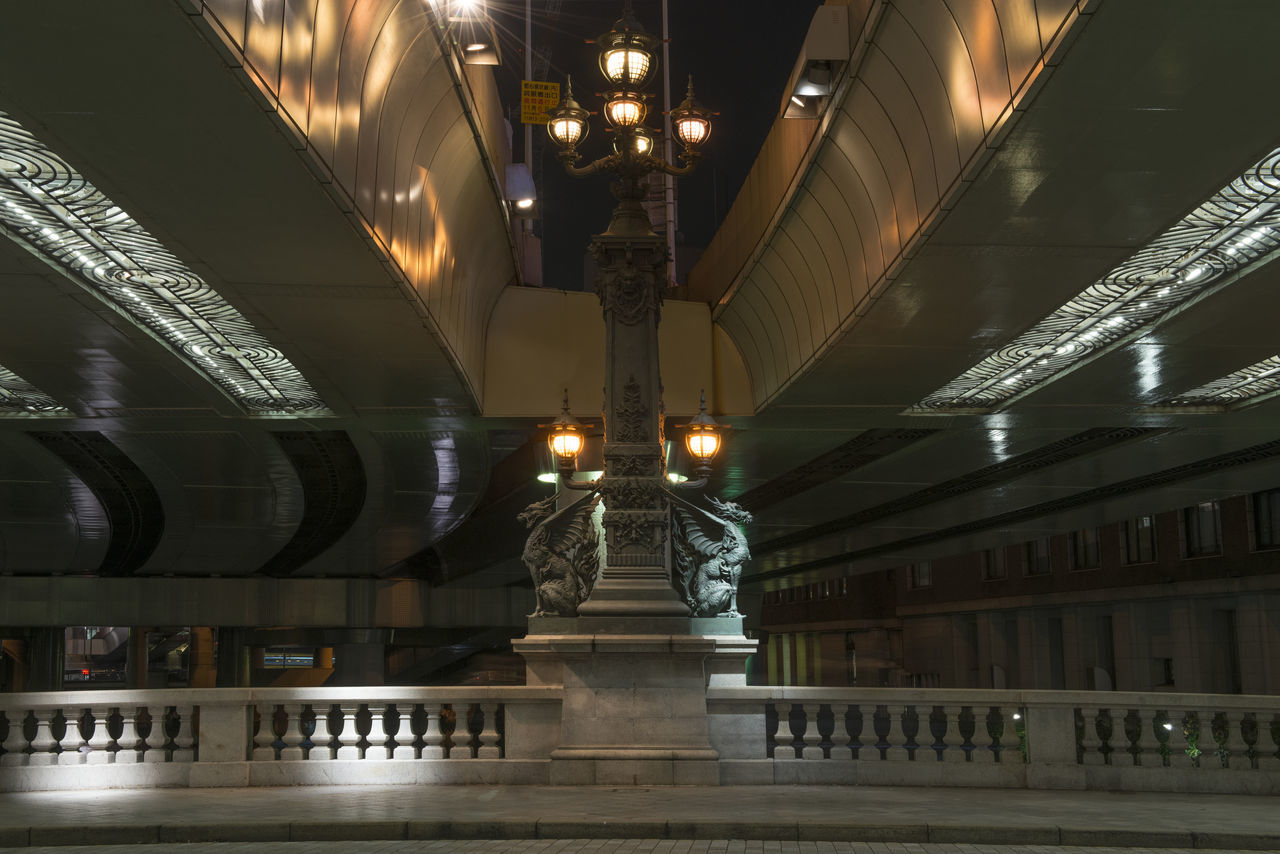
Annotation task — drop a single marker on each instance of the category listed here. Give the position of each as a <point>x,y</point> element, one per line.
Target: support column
<point>233,659</point>
<point>135,662</point>
<point>204,673</point>
<point>636,580</point>
<point>44,653</point>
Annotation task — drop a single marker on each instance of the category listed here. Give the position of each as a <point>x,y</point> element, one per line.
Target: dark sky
<point>740,53</point>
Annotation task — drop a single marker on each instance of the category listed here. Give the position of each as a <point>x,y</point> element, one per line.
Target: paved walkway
<point>608,846</point>
<point>658,819</point>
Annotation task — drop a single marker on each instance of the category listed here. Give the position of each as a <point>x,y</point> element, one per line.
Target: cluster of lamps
<point>566,440</point>
<point>627,61</point>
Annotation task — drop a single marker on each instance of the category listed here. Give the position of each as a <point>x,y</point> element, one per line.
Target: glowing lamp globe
<point>691,122</point>
<point>627,53</point>
<point>702,438</point>
<point>567,123</point>
<point>625,109</point>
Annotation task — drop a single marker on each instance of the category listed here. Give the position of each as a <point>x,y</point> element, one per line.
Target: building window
<point>1266,519</point>
<point>921,574</point>
<point>1139,540</point>
<point>993,565</point>
<point>1203,533</point>
<point>1035,557</point>
<point>1083,549</point>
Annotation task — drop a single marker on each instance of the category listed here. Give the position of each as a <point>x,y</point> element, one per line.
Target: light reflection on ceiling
<point>55,213</point>
<point>18,395</point>
<point>1234,228</point>
<point>1238,388</point>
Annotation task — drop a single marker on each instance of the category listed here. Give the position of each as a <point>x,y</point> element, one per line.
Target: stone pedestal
<point>635,706</point>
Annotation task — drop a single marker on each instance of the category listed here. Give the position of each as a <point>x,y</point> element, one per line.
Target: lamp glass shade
<point>566,130</point>
<point>702,443</point>
<point>626,66</point>
<point>625,110</point>
<point>692,131</point>
<point>565,441</point>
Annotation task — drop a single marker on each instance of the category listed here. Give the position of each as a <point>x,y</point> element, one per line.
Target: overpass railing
<point>1031,739</point>
<point>763,735</point>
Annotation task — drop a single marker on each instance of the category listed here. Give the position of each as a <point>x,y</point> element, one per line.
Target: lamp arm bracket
<point>666,167</point>
<point>580,484</point>
<point>604,164</point>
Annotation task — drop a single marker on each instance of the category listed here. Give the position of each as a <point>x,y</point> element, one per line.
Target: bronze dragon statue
<point>708,568</point>
<point>562,554</point>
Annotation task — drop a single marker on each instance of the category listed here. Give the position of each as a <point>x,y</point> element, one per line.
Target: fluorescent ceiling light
<point>19,396</point>
<point>58,215</point>
<point>1237,226</point>
<point>1238,388</point>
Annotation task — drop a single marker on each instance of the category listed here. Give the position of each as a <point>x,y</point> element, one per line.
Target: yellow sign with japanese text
<point>536,97</point>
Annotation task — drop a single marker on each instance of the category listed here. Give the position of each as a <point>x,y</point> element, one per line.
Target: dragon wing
<point>581,543</point>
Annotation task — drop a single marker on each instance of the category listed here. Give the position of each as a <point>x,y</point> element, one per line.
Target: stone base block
<point>634,772</point>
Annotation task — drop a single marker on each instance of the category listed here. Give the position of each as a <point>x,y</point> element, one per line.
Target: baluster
<point>1233,744</point>
<point>1123,746</point>
<point>812,738</point>
<point>153,747</point>
<point>377,748</point>
<point>982,740</point>
<point>72,740</point>
<point>321,739</point>
<point>489,748</point>
<point>15,743</point>
<point>1090,740</point>
<point>432,736</point>
<point>1183,737</point>
<point>44,744</point>
<point>264,739</point>
<point>404,737</point>
<point>349,738</point>
<point>953,740</point>
<point>782,739</point>
<point>840,732</point>
<point>896,739</point>
<point>1267,746</point>
<point>184,740</point>
<point>865,725</point>
<point>127,743</point>
<point>292,737</point>
<point>100,741</point>
<point>461,734</point>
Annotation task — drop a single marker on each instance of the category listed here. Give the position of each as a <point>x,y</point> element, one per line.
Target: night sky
<point>740,53</point>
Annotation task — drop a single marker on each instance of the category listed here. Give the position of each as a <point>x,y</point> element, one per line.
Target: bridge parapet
<point>764,735</point>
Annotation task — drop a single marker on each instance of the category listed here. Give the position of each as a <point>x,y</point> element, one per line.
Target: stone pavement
<point>651,819</point>
<point>607,846</point>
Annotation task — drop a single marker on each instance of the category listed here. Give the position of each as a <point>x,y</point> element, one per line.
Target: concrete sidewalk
<point>863,814</point>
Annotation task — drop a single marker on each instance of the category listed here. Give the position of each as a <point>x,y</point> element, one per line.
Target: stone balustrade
<point>1033,739</point>
<point>322,736</point>
<point>247,737</point>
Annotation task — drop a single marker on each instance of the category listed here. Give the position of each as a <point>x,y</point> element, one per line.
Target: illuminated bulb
<point>549,477</point>
<point>524,204</point>
<point>625,110</point>
<point>626,67</point>
<point>799,102</point>
<point>472,48</point>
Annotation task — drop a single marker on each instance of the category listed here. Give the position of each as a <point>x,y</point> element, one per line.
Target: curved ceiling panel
<point>231,498</point>
<point>50,521</point>
<point>937,82</point>
<point>404,135</point>
<point>133,509</point>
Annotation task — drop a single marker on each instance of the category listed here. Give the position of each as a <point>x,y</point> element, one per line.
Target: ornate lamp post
<point>637,579</point>
<point>636,587</point>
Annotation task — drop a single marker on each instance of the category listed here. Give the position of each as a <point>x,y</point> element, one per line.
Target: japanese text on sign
<point>536,97</point>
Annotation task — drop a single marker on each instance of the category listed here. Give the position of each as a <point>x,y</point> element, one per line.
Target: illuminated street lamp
<point>565,440</point>
<point>639,509</point>
<point>702,438</point>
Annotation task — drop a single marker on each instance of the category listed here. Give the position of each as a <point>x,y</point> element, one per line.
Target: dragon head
<point>731,512</point>
<point>537,511</point>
